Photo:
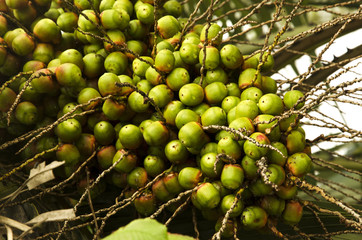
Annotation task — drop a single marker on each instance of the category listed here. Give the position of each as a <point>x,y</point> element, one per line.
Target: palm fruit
<point>254,217</point>
<point>273,205</point>
<point>229,146</point>
<point>145,204</point>
<point>231,56</point>
<point>68,153</point>
<point>189,177</point>
<point>207,165</point>
<point>227,202</point>
<point>130,136</point>
<point>275,157</point>
<point>232,176</point>
<point>212,31</point>
<point>47,31</point>
<point>69,130</point>
<point>213,116</point>
<point>105,156</point>
<point>168,26</point>
<point>292,213</point>
<point>247,108</point>
<point>299,164</point>
<point>215,93</point>
<point>249,78</point>
<point>154,165</point>
<point>270,129</point>
<point>211,57</point>
<point>271,103</point>
<point>252,150</point>
<point>295,142</point>
<point>249,166</point>
<point>185,116</point>
<point>177,78</point>
<point>207,196</point>
<point>116,62</point>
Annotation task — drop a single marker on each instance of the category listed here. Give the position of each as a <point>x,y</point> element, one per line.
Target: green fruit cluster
<point>145,101</point>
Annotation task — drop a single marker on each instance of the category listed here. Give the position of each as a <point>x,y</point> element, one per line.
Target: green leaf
<point>140,229</point>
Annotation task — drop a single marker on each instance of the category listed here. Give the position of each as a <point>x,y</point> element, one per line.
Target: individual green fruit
<point>137,30</point>
<point>113,109</point>
<point>227,202</point>
<point>299,164</point>
<point>86,95</point>
<point>287,191</point>
<point>173,7</point>
<point>137,102</point>
<point>192,135</point>
<point>104,133</point>
<point>243,124</point>
<point>130,136</point>
<point>47,31</point>
<point>275,157</point>
<point>207,196</point>
<point>105,156</point>
<point>67,21</point>
<point>107,84</point>
<point>177,78</point>
<point>273,205</point>
<point>23,44</point>
<point>216,75</point>
<point>249,78</point>
<point>191,94</point>
<point>7,98</point>
<point>268,62</point>
<point>211,58</point>
<point>154,165</point>
<point>268,85</point>
<point>207,164</point>
<point>250,167</point>
<point>247,108</point>
<point>160,191</point>
<point>189,53</point>
<point>161,95</point>
<point>26,113</point>
<point>231,56</point>
<point>123,4</point>
<point>271,104</point>
<point>145,13</point>
<point>275,174</point>
<point>117,37</point>
<point>185,116</point>
<point>189,177</point>
<point>175,152</point>
<point>171,110</point>
<point>139,66</point>
<point>69,75</point>
<point>126,161</point>
<point>168,26</point>
<point>137,178</point>
<point>295,142</point>
<point>114,19</point>
<point>292,213</point>
<point>252,150</point>
<point>145,204</point>
<point>171,183</point>
<point>86,144</point>
<point>69,130</point>
<point>137,48</point>
<point>292,97</point>
<point>254,217</point>
<point>270,129</point>
<point>156,134</point>
<point>251,93</point>
<point>153,76</point>
<point>68,153</point>
<point>215,92</point>
<point>232,176</point>
<point>213,116</point>
<point>71,107</point>
<point>230,147</point>
<point>116,62</point>
<point>44,52</point>
<point>229,102</point>
<point>44,84</point>
<point>212,31</point>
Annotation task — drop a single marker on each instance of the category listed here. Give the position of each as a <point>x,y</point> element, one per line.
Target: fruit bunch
<point>157,100</point>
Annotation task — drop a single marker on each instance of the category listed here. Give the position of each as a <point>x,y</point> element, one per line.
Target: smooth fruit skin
<point>249,78</point>
<point>213,31</point>
<point>156,134</point>
<point>251,93</point>
<point>231,56</point>
<point>299,164</point>
<point>247,108</point>
<point>270,128</point>
<point>86,144</point>
<point>291,98</point>
<point>254,217</point>
<point>126,162</point>
<point>47,31</point>
<point>295,142</point>
<point>192,135</point>
<point>69,130</point>
<point>273,205</point>
<point>228,201</point>
<point>207,163</point>
<point>104,132</point>
<point>189,177</point>
<point>292,213</point>
<point>154,165</point>
<point>213,116</point>
<point>191,94</point>
<point>105,156</point>
<point>215,93</point>
<point>137,178</point>
<point>271,104</point>
<point>177,78</point>
<point>160,191</point>
<point>252,150</point>
<point>275,157</point>
<point>232,176</point>
<point>68,153</point>
<point>211,59</point>
<point>176,152</point>
<point>171,183</point>
<point>229,146</point>
<point>7,98</point>
<point>207,196</point>
<point>145,204</point>
<point>250,168</point>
